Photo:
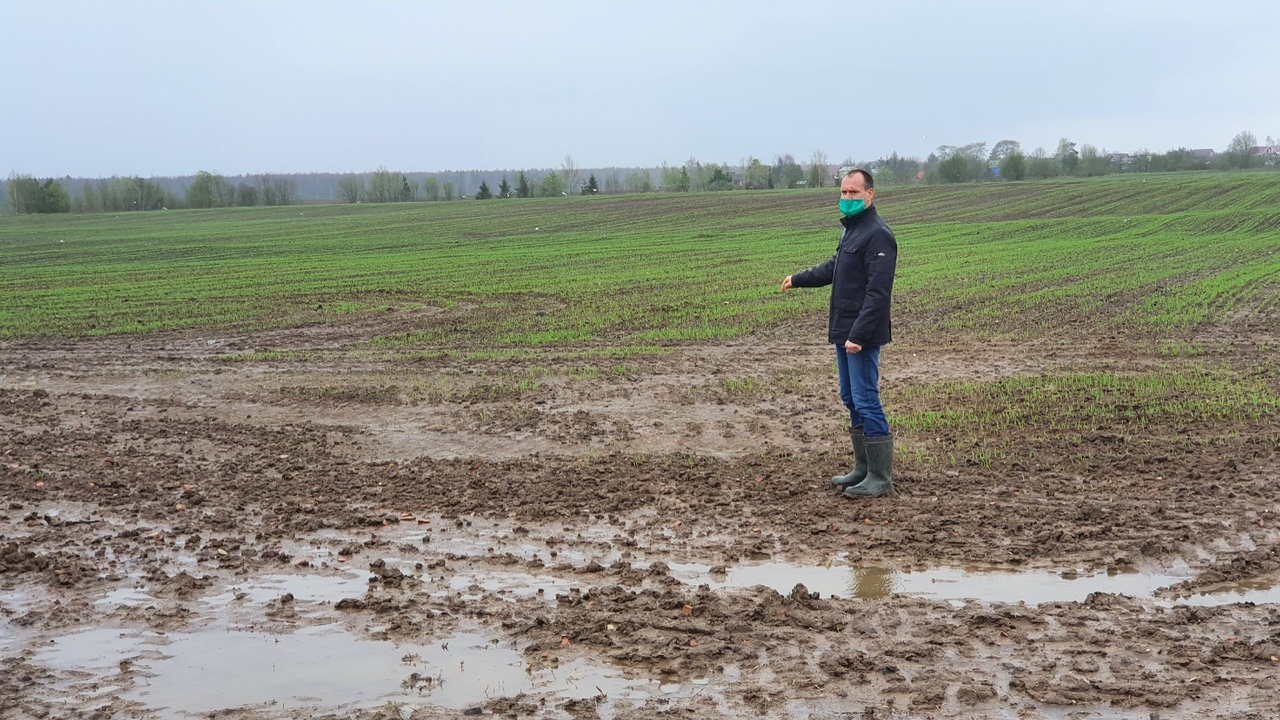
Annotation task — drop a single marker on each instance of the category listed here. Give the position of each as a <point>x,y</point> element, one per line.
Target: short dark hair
<point>868,182</point>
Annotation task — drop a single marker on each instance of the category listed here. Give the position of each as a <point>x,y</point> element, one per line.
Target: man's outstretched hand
<point>786,283</point>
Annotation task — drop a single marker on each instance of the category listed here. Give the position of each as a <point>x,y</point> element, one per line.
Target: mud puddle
<point>986,585</point>
<point>1258,592</point>
<point>304,588</point>
<point>127,596</point>
<point>473,545</point>
<point>13,603</point>
<point>181,674</point>
<point>510,584</point>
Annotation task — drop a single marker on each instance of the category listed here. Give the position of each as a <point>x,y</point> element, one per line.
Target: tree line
<point>210,190</point>
<point>1005,161</point>
<point>25,194</point>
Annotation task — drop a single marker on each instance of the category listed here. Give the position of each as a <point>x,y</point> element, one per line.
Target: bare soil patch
<point>161,490</point>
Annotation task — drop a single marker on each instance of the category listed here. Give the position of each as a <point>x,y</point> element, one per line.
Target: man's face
<point>853,187</point>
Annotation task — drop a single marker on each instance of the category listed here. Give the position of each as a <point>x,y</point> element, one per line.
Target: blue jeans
<point>860,389</point>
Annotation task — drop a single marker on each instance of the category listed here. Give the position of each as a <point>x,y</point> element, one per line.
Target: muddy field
<point>184,533</point>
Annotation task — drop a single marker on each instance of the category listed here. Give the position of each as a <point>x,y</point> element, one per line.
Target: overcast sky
<point>170,87</point>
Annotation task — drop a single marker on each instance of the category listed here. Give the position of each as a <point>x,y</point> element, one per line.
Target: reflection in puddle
<point>872,582</point>
<point>984,585</point>
<point>325,666</point>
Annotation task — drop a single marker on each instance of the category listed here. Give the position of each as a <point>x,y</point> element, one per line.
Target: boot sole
<point>860,496</point>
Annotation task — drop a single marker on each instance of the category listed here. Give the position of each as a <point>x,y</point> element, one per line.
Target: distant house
<point>1120,158</point>
<point>1203,153</point>
<point>1268,154</point>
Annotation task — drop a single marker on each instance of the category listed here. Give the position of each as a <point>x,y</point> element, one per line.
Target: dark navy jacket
<point>861,278</point>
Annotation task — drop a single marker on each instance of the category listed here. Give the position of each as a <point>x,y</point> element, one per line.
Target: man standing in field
<point>861,278</point>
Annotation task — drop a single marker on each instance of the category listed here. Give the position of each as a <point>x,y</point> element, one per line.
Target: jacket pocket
<point>853,248</point>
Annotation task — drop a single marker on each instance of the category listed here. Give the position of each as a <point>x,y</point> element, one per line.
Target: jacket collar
<point>856,220</point>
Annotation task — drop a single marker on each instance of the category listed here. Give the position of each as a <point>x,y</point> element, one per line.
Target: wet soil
<point>166,490</point>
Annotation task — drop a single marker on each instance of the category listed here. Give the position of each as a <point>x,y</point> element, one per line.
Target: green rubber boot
<point>879,481</point>
<point>859,471</point>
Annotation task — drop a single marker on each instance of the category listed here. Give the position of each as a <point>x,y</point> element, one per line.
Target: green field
<point>1153,258</point>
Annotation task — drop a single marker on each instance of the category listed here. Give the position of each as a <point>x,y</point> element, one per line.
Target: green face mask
<point>849,208</point>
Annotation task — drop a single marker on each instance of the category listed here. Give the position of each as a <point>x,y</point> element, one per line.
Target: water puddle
<point>512,584</point>
<point>70,511</point>
<point>316,589</point>
<point>10,606</point>
<point>1259,592</point>
<point>987,585</point>
<point>304,588</point>
<point>479,546</point>
<point>201,672</point>
<point>131,596</point>
<point>983,584</point>
<point>13,603</point>
<point>476,539</point>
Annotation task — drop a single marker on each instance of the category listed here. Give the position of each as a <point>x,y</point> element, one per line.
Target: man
<point>861,278</point>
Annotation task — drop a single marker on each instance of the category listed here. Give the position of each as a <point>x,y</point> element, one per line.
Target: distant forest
<point>1006,161</point>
